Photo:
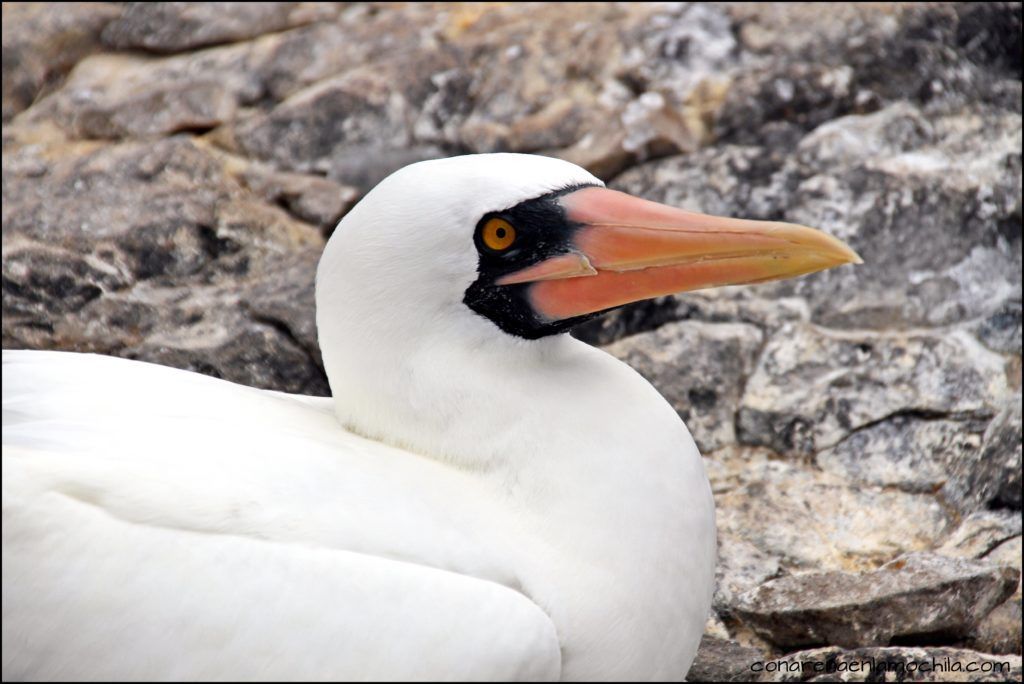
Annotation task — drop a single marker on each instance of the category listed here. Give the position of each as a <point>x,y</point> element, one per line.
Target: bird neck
<point>456,398</point>
<point>553,421</point>
<point>595,468</point>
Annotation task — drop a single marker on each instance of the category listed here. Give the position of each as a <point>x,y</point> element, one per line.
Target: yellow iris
<point>498,234</point>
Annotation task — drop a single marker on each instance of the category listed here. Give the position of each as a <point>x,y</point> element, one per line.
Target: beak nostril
<point>572,265</point>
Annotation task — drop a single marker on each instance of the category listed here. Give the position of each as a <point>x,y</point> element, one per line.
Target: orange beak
<point>627,249</point>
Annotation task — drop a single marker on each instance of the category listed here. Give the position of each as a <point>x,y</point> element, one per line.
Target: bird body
<point>267,483</point>
<point>483,497</point>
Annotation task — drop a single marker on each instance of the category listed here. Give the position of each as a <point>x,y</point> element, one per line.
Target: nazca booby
<point>484,497</point>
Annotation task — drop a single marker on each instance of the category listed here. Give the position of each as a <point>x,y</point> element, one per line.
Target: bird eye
<point>498,234</point>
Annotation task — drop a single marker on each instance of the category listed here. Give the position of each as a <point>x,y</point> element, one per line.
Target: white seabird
<point>484,497</point>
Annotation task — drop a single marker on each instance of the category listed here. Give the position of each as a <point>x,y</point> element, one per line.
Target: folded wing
<point>216,531</point>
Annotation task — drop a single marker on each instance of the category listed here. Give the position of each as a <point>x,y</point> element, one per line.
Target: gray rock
<point>893,664</point>
<point>999,484</point>
<point>1001,331</point>
<point>920,454</point>
<point>315,127</point>
<point>679,45</point>
<point>206,328</point>
<point>723,181</point>
<point>1000,632</point>
<point>919,594</point>
<point>813,388</point>
<point>926,209</point>
<point>140,251</point>
<point>178,26</point>
<point>600,107</point>
<point>135,95</point>
<point>362,166</point>
<point>995,537</point>
<point>800,94</point>
<point>287,62</point>
<point>1007,553</point>
<point>313,199</point>
<point>807,520</point>
<point>287,302</point>
<point>41,45</point>
<point>629,320</point>
<point>126,96</point>
<point>470,90</point>
<point>930,53</point>
<point>699,368</point>
<point>252,354</point>
<point>741,567</point>
<point>980,533</point>
<point>119,202</point>
<point>210,329</point>
<point>40,279</point>
<point>721,660</point>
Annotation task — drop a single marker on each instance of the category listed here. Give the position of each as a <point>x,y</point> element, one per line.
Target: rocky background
<point>172,170</point>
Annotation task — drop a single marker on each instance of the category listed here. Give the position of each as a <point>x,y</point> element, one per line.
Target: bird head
<point>530,246</point>
<point>446,292</point>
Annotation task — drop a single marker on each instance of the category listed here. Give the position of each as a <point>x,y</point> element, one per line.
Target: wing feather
<point>162,525</point>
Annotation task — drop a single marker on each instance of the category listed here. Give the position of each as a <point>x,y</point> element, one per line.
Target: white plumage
<point>471,504</point>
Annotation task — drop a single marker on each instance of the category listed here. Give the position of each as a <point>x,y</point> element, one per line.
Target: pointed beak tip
<point>827,245</point>
<point>848,255</point>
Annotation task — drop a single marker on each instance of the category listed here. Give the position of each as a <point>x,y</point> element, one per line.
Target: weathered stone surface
<point>932,54</point>
<point>721,660</point>
<point>805,519</point>
<point>995,537</point>
<point>208,328</point>
<point>628,320</point>
<point>178,26</point>
<point>1001,331</point>
<point>699,368</point>
<point>314,199</point>
<point>921,454</point>
<point>131,95</point>
<point>893,664</point>
<point>919,594</point>
<point>928,215</point>
<point>999,483</point>
<point>287,301</point>
<point>140,251</point>
<point>258,354</point>
<point>116,96</point>
<point>981,532</point>
<point>311,129</point>
<point>812,388</point>
<point>1000,632</point>
<point>117,202</point>
<point>1007,553</point>
<point>418,104</point>
<point>741,567</point>
<point>40,45</point>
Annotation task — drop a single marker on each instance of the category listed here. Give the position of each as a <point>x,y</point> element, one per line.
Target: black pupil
<point>500,232</point>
